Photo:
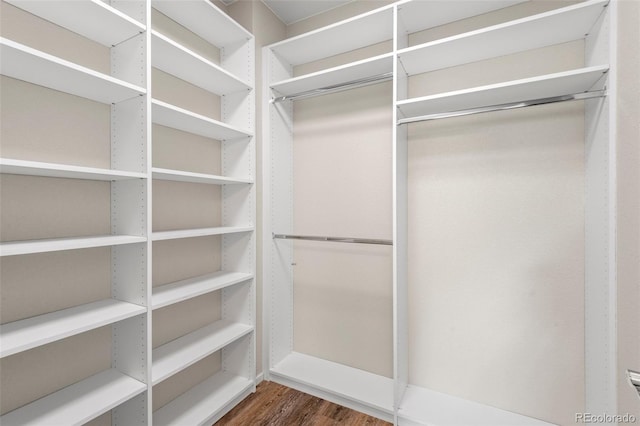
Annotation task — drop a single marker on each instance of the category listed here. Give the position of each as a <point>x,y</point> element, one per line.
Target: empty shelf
<point>205,20</point>
<point>343,74</point>
<point>186,289</point>
<point>353,33</point>
<point>180,176</point>
<point>174,59</point>
<point>24,63</point>
<point>29,333</point>
<point>36,168</point>
<point>182,352</point>
<point>172,116</point>
<point>351,383</point>
<point>545,29</point>
<point>93,19</point>
<point>79,403</point>
<point>206,402</point>
<point>563,83</point>
<point>422,406</point>
<point>419,15</point>
<point>199,232</point>
<point>58,244</point>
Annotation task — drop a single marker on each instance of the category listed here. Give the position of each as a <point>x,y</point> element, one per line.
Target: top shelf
<point>92,19</point>
<point>344,36</point>
<point>417,15</point>
<point>204,19</point>
<point>545,29</point>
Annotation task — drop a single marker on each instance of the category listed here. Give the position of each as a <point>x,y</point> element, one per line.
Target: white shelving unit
<point>233,335</point>
<point>122,389</point>
<point>125,390</point>
<point>397,399</point>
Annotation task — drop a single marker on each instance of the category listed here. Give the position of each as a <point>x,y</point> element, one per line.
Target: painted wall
<point>628,202</point>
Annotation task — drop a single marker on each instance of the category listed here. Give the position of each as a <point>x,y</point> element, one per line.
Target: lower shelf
<point>184,351</point>
<point>78,403</point>
<point>422,406</point>
<point>206,402</point>
<point>358,389</point>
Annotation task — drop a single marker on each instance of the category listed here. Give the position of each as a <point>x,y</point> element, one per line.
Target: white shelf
<point>563,83</point>
<point>36,168</point>
<point>360,31</point>
<point>24,63</point>
<point>419,15</point>
<point>186,289</point>
<point>204,19</point>
<point>79,403</point>
<point>351,383</point>
<point>180,176</point>
<point>93,19</point>
<point>422,406</point>
<point>14,248</point>
<point>172,116</point>
<point>545,29</point>
<point>343,74</point>
<point>36,331</point>
<point>204,403</point>
<point>199,232</point>
<point>172,58</point>
<point>182,352</point>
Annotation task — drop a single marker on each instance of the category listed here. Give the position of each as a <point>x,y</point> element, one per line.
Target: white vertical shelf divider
<point>234,335</point>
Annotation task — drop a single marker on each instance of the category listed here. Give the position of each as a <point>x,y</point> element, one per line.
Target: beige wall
<point>628,202</point>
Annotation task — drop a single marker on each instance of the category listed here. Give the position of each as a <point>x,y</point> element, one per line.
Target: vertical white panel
<point>238,59</point>
<point>278,212</point>
<point>128,207</point>
<point>129,134</point>
<point>128,60</point>
<point>129,273</point>
<point>129,347</point>
<point>132,412</point>
<point>400,226</point>
<point>238,303</point>
<point>137,9</point>
<point>600,239</point>
<point>237,358</point>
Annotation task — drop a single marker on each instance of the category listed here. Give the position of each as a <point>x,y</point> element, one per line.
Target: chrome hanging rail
<point>335,88</point>
<point>334,239</point>
<point>507,106</point>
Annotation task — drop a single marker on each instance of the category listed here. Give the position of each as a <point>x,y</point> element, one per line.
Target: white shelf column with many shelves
<point>227,82</point>
<point>115,387</point>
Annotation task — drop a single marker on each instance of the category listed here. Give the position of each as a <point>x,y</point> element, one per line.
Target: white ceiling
<point>290,11</point>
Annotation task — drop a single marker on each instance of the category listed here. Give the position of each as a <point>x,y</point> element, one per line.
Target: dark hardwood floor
<point>277,405</point>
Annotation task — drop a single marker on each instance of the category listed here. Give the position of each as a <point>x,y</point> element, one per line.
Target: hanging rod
<point>334,239</point>
<point>335,88</point>
<point>502,107</point>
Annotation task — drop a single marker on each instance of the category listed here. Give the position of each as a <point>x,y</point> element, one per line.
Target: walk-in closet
<point>423,212</point>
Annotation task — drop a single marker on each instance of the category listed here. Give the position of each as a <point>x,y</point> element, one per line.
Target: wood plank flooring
<point>277,405</point>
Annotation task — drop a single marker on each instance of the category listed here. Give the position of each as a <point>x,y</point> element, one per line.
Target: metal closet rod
<point>353,84</point>
<point>503,107</point>
<point>334,239</point>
